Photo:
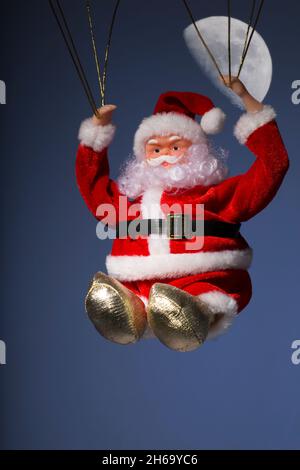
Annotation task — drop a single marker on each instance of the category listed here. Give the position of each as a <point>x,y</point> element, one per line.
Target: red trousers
<point>233,283</point>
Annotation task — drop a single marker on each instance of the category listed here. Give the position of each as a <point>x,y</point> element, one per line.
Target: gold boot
<point>178,319</point>
<point>116,312</point>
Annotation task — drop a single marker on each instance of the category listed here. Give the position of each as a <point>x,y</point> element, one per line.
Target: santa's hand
<point>237,86</point>
<point>104,115</point>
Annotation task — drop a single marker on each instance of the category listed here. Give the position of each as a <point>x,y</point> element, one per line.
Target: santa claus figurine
<point>163,279</point>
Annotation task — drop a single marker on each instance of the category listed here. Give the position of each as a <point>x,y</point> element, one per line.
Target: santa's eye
<point>157,150</point>
<point>176,148</point>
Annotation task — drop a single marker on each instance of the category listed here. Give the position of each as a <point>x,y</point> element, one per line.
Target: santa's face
<point>172,162</point>
<point>166,151</point>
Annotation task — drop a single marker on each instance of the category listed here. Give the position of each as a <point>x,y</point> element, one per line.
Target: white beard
<point>202,166</point>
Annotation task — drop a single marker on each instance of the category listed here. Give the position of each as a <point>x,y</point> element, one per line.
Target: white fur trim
<point>164,124</point>
<point>213,121</point>
<point>135,268</point>
<point>151,209</point>
<point>250,122</point>
<point>223,305</point>
<point>96,137</point>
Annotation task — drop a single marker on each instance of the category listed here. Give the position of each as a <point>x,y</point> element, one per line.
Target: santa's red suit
<point>218,271</point>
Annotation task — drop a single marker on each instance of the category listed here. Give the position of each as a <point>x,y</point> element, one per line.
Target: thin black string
<point>229,39</point>
<point>67,36</point>
<point>107,50</point>
<point>251,35</point>
<point>253,8</point>
<point>95,51</point>
<point>102,77</point>
<point>202,40</point>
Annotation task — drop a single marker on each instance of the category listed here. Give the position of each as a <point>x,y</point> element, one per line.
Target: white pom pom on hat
<point>175,113</point>
<point>213,121</point>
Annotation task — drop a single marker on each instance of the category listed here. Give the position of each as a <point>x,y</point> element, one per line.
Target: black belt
<point>178,227</point>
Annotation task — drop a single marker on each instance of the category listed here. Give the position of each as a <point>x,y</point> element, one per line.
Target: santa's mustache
<point>162,159</point>
<point>203,166</point>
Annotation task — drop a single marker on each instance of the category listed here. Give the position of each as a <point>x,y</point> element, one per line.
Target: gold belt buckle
<point>171,226</point>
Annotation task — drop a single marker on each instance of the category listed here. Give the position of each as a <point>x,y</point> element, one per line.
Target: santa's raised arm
<point>92,167</point>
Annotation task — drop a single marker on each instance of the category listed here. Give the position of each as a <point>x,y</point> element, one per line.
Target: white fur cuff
<point>250,122</point>
<point>222,305</point>
<point>96,137</point>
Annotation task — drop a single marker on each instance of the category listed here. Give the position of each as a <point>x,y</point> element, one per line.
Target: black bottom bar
<point>133,459</point>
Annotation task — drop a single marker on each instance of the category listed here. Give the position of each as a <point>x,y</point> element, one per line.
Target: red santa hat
<point>175,113</point>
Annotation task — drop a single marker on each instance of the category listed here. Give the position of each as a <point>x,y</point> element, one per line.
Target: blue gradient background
<point>64,387</point>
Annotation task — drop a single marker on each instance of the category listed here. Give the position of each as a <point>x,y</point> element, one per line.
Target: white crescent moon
<point>257,69</point>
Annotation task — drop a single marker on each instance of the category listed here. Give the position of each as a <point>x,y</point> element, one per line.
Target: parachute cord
<point>251,36</point>
<point>247,34</point>
<point>107,49</point>
<point>67,36</point>
<point>229,40</point>
<point>102,78</point>
<point>91,25</point>
<point>203,41</point>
